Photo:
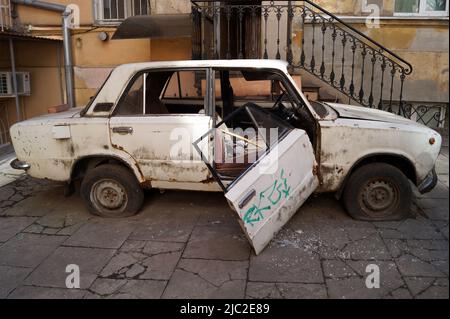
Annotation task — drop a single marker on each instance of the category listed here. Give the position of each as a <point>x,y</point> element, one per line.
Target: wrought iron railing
<point>5,15</point>
<point>115,11</point>
<point>309,38</point>
<point>429,114</point>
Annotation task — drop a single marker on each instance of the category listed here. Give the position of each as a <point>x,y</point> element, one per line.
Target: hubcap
<point>108,195</point>
<point>379,195</point>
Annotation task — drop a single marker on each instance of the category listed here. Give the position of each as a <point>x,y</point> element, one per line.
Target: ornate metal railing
<point>429,114</point>
<point>309,38</point>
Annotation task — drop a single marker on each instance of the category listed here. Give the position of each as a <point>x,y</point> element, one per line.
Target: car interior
<point>249,105</point>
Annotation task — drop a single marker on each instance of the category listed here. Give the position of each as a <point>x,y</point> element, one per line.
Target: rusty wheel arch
<point>83,164</point>
<point>398,161</point>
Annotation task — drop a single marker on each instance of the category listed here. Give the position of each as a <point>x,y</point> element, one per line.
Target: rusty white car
<point>238,126</point>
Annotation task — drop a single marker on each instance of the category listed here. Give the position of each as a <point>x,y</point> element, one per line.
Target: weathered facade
<point>418,32</point>
<point>93,58</point>
<point>390,55</point>
<point>412,31</point>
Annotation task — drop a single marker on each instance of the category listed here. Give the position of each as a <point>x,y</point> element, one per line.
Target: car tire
<point>378,192</point>
<point>111,191</point>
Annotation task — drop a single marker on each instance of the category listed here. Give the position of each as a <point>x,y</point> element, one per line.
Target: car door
<point>158,138</point>
<point>267,192</point>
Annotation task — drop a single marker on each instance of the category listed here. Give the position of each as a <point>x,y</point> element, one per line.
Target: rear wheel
<point>378,192</point>
<point>111,191</point>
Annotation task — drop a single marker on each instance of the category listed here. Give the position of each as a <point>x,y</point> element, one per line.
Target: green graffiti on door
<point>268,198</point>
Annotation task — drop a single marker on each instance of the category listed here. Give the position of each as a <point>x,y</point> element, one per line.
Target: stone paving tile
<point>351,288</point>
<point>418,228</point>
<point>390,277</point>
<point>102,233</point>
<point>197,278</point>
<point>154,260</point>
<point>64,219</point>
<point>336,268</point>
<point>39,204</point>
<point>125,289</point>
<point>186,244</point>
<point>412,266</point>
<point>10,226</point>
<point>263,290</point>
<point>222,242</point>
<point>285,264</point>
<point>435,209</point>
<point>419,284</point>
<point>52,272</point>
<point>440,191</point>
<point>10,278</point>
<point>371,247</point>
<point>165,224</point>
<point>28,250</point>
<point>33,292</point>
<point>434,293</point>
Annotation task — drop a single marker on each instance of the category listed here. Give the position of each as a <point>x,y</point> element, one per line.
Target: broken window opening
<point>163,93</point>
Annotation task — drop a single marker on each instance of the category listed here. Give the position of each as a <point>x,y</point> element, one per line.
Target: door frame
<point>212,169</point>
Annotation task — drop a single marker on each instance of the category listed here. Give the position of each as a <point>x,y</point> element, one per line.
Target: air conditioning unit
<point>23,83</point>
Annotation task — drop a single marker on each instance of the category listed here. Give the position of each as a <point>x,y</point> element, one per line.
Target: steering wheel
<point>279,99</point>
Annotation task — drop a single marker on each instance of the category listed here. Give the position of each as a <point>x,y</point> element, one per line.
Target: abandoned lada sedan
<point>243,127</point>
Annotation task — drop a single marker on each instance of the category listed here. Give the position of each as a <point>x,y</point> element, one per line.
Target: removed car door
<point>267,192</point>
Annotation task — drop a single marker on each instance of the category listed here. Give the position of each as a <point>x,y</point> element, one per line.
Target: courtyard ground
<point>190,245</point>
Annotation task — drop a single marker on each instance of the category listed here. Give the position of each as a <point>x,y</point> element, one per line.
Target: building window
<point>421,8</point>
<point>115,11</point>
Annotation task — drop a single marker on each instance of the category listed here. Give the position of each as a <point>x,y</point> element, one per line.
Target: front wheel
<point>111,191</point>
<point>378,192</point>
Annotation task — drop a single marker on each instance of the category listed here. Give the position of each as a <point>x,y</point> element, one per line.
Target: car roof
<point>121,75</point>
<point>238,63</point>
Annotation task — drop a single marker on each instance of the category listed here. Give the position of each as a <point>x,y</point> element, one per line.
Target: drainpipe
<point>66,21</point>
<point>14,78</point>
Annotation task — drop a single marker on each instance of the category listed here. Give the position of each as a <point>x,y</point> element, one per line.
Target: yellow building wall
<point>93,59</point>
<point>171,49</point>
<point>422,42</point>
<point>42,61</point>
<point>39,17</point>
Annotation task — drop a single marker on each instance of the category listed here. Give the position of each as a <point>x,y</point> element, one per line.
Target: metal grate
<point>309,38</point>
<point>4,83</point>
<point>115,11</point>
<point>5,15</point>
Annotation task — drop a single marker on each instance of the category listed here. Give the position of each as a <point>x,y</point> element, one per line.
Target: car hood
<point>365,113</point>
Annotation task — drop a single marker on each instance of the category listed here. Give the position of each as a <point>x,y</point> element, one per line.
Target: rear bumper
<point>429,182</point>
<point>16,164</point>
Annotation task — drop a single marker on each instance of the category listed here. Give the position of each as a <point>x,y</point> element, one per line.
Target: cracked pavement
<point>190,245</point>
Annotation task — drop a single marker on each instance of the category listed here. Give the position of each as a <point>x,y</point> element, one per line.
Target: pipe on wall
<point>66,21</point>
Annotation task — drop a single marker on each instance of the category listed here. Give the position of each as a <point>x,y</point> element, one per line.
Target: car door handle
<point>123,130</point>
<point>247,198</point>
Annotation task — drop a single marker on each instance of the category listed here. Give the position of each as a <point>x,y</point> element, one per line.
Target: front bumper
<point>429,182</point>
<point>16,164</point>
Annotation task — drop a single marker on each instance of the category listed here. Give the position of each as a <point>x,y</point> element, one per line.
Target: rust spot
<point>71,149</point>
<point>315,169</point>
<point>208,180</point>
<point>146,184</point>
<point>118,147</point>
